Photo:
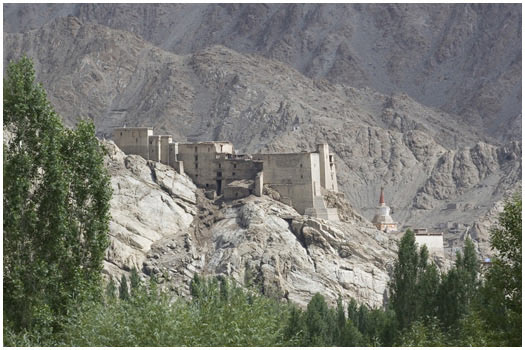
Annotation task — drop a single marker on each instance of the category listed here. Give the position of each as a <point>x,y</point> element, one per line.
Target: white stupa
<point>382,220</point>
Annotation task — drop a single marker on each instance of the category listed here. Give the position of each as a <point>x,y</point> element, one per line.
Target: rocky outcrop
<point>150,201</point>
<point>265,243</point>
<point>165,227</point>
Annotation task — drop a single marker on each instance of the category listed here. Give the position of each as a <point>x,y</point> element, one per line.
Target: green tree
<point>423,334</point>
<point>295,328</point>
<point>111,289</point>
<point>502,290</point>
<point>459,289</point>
<point>473,331</point>
<point>403,285</point>
<point>427,291</point>
<point>340,322</point>
<point>134,280</point>
<point>320,322</point>
<point>123,291</point>
<point>56,207</point>
<point>351,336</point>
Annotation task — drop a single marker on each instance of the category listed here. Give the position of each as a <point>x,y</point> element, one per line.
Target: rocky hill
<point>462,58</point>
<point>424,156</point>
<point>165,227</point>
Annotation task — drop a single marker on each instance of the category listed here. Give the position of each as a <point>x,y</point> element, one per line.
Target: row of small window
<point>219,174</point>
<point>220,166</point>
<point>196,148</point>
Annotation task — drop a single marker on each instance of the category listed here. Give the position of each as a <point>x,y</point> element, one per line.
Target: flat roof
<point>283,153</point>
<point>205,143</point>
<point>134,128</point>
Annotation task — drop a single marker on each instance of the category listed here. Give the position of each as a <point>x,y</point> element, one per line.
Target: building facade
<point>214,166</point>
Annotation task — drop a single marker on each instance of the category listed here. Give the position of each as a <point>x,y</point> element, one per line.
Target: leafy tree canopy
<point>56,206</point>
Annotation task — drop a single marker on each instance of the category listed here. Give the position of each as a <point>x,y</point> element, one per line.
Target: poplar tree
<point>56,206</point>
<point>502,294</point>
<point>123,291</point>
<point>134,280</point>
<point>320,323</point>
<point>403,284</point>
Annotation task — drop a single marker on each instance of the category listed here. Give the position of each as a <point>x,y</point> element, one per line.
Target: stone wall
<point>154,148</point>
<point>433,241</point>
<point>295,176</point>
<point>165,141</point>
<point>133,140</point>
<point>200,162</point>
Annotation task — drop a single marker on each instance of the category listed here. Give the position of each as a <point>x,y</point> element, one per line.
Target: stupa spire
<point>382,196</point>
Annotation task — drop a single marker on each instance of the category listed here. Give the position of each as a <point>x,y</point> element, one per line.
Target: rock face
<point>164,226</point>
<point>409,97</point>
<point>150,201</point>
<point>462,58</point>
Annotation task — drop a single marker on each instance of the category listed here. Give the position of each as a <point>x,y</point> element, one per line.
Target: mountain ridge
<point>461,58</point>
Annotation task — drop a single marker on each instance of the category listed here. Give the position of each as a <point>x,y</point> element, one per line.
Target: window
<point>195,148</point>
<point>137,140</point>
<point>196,165</point>
<point>221,148</point>
<point>196,157</point>
<point>301,176</point>
<point>233,174</point>
<point>219,165</point>
<point>121,133</point>
<point>150,142</point>
<point>300,165</point>
<point>207,185</point>
<point>219,173</point>
<point>234,166</point>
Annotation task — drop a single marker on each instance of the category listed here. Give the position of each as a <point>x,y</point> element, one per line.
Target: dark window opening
<point>137,140</point>
<point>196,157</point>
<point>300,165</point>
<point>195,149</point>
<point>301,176</point>
<point>196,165</point>
<point>233,174</point>
<point>219,173</point>
<point>219,165</point>
<point>234,166</point>
<point>207,185</point>
<point>121,134</point>
<point>221,148</point>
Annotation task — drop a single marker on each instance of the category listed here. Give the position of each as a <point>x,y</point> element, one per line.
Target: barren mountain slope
<point>462,58</point>
<point>425,157</point>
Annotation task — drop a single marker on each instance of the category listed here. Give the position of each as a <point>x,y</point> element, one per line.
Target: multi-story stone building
<point>213,165</point>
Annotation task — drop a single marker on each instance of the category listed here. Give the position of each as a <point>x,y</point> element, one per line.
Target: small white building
<point>433,240</point>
